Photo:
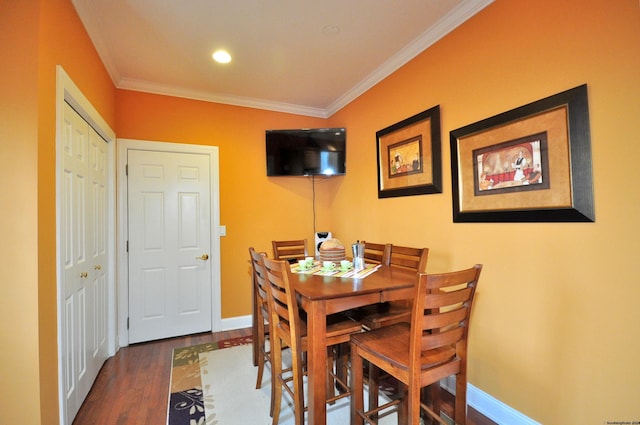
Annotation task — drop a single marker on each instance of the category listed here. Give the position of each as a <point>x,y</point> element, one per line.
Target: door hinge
<point>127,246</point>
<point>126,169</point>
<point>127,323</point>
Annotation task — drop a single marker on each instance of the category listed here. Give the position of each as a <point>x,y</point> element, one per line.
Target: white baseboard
<point>490,407</point>
<point>238,322</point>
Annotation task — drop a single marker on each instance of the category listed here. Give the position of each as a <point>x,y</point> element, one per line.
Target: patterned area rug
<point>230,397</point>
<point>186,403</point>
<point>211,386</point>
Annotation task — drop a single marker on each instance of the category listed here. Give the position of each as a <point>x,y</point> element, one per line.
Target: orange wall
<point>555,332</point>
<point>19,372</point>
<point>245,191</point>
<point>37,36</point>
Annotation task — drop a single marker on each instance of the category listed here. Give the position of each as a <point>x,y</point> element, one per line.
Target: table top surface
<point>316,287</point>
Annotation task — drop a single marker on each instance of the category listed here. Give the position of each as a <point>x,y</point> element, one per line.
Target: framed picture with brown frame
<point>529,164</point>
<point>409,158</point>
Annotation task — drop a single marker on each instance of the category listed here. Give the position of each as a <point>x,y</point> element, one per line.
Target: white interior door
<point>84,258</point>
<point>169,243</point>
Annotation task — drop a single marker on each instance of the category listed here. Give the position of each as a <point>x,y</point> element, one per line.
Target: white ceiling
<point>300,56</point>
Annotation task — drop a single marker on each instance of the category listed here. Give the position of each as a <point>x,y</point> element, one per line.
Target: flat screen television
<point>306,152</point>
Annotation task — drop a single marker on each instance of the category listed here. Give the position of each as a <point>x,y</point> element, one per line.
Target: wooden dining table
<point>321,296</point>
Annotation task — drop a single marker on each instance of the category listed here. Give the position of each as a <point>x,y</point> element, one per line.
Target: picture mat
<point>408,133</point>
<point>559,195</point>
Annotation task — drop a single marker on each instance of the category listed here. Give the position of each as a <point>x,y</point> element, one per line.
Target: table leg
<point>317,359</point>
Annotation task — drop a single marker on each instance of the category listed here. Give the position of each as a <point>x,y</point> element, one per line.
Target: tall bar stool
<point>263,316</point>
<point>287,329</point>
<point>405,257</point>
<point>380,315</point>
<point>432,347</point>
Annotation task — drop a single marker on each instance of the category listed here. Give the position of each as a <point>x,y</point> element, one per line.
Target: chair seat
<point>339,329</point>
<point>384,314</point>
<point>340,326</point>
<point>391,344</point>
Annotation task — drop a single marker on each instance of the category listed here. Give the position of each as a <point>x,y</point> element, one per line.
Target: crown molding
<point>147,87</point>
<point>88,17</point>
<point>443,27</point>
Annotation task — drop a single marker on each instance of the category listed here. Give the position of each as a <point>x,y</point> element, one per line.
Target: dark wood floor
<point>133,385</point>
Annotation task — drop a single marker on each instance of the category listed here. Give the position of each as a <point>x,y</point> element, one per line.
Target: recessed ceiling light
<point>221,56</point>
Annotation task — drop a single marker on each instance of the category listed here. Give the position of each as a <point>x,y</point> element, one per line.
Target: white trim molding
<point>490,407</point>
<point>238,322</point>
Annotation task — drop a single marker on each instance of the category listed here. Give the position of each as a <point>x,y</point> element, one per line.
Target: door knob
<point>203,257</point>
<point>97,267</point>
<point>84,274</point>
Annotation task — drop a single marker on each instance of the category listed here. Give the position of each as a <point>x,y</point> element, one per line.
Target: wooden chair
<point>385,314</point>
<point>287,329</point>
<point>291,251</point>
<point>377,253</point>
<point>432,347</point>
<point>374,253</point>
<point>262,315</point>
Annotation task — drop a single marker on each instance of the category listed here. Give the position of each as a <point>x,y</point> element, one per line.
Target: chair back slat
<point>281,309</point>
<point>441,314</point>
<point>442,320</point>
<point>442,339</point>
<point>447,299</point>
<point>290,250</point>
<point>376,252</point>
<point>447,280</point>
<point>409,258</point>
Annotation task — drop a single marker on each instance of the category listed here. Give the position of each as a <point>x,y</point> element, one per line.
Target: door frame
<point>124,145</point>
<point>67,91</point>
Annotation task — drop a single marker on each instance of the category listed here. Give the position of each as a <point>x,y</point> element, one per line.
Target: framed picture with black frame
<point>409,157</point>
<point>529,164</point>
